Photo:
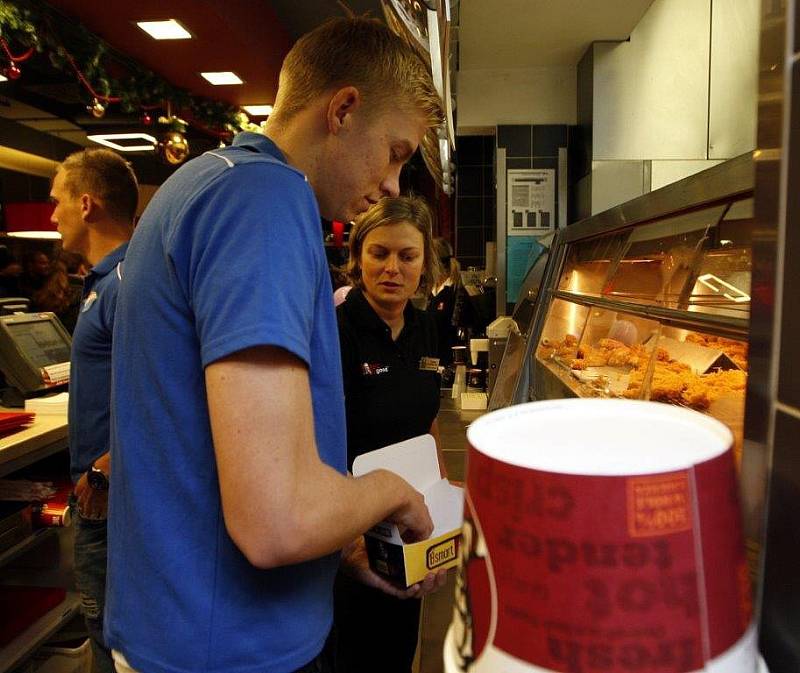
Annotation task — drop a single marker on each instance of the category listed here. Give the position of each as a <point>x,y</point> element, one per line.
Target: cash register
<point>34,356</point>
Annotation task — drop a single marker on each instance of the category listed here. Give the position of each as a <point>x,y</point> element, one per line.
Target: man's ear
<point>88,206</point>
<point>341,107</point>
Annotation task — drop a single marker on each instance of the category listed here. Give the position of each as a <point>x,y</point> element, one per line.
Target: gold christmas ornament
<point>97,109</point>
<point>173,148</point>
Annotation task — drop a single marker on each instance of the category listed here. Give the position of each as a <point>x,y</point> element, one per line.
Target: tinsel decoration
<point>12,72</point>
<point>172,147</point>
<point>72,48</point>
<point>97,109</point>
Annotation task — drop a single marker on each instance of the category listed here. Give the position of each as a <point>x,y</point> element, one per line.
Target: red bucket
<point>601,536</point>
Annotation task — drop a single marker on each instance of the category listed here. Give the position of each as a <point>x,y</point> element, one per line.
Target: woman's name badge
<point>429,364</point>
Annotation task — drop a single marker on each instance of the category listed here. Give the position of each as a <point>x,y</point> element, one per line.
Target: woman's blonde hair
<point>450,268</point>
<point>391,211</point>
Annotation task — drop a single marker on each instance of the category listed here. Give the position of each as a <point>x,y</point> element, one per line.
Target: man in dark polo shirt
<point>95,195</point>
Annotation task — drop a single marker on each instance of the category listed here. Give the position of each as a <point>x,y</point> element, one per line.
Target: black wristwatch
<point>97,478</point>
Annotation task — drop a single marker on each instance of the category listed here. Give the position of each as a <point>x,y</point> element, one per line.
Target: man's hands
<point>413,519</point>
<point>92,504</point>
<point>356,565</point>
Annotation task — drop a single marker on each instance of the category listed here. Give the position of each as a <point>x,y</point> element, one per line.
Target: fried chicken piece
<point>622,357</point>
<point>696,396</point>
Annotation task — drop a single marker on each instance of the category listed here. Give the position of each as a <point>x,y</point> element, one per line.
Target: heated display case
<point>650,300</point>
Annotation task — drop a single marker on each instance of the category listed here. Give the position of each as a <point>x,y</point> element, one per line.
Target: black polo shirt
<point>391,393</point>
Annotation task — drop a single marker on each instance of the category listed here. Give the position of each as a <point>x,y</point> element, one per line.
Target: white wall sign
<point>531,201</point>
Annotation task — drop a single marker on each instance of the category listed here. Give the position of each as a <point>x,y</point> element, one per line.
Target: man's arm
<point>282,505</point>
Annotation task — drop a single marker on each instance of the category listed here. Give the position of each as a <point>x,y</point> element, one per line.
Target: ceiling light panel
<point>222,78</point>
<point>140,142</point>
<point>164,30</point>
<point>258,110</point>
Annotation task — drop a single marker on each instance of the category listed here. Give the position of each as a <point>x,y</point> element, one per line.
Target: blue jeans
<point>91,556</point>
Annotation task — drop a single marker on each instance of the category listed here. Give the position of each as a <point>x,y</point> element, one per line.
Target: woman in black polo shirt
<point>391,384</point>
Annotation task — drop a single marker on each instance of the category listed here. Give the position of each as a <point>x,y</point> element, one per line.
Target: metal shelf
<point>24,545</point>
<point>735,328</point>
<point>37,633</point>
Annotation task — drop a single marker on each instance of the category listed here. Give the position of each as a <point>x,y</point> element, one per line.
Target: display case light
<point>719,286</point>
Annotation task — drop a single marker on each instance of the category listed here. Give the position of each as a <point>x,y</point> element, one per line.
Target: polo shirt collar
<point>362,312</point>
<point>258,142</point>
<point>110,261</point>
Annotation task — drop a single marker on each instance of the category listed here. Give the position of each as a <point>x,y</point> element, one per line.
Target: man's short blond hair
<point>363,53</point>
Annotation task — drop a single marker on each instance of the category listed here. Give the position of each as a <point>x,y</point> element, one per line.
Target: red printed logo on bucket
<point>591,574</point>
<point>659,505</point>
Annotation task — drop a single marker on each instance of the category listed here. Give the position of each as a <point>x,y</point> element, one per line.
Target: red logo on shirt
<point>374,368</point>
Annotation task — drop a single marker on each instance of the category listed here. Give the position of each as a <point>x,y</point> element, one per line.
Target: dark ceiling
<point>249,37</point>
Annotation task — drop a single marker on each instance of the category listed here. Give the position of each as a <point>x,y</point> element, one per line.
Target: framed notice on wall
<point>531,202</point>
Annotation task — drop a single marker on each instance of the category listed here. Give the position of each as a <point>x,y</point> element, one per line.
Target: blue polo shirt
<point>227,255</point>
<point>90,364</point>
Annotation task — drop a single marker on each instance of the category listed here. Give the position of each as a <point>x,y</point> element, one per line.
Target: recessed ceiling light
<point>258,110</point>
<point>49,235</point>
<point>221,78</point>
<point>108,139</point>
<point>164,30</point>
<point>3,78</point>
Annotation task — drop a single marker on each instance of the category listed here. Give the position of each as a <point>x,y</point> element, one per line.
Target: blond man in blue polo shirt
<point>230,503</point>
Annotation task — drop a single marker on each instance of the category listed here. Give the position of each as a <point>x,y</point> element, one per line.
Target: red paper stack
<point>11,421</point>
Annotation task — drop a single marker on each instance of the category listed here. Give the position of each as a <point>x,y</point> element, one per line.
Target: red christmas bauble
<point>12,71</point>
<point>147,119</point>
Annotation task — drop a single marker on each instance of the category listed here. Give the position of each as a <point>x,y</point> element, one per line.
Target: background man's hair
<point>105,175</point>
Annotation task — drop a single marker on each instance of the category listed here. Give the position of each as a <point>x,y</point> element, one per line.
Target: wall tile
<point>516,139</point>
<point>548,138</point>
<point>489,148</point>
<point>517,162</point>
<point>470,181</point>
<point>545,163</point>
<point>490,216</point>
<point>469,211</point>
<point>470,150</point>
<point>469,243</point>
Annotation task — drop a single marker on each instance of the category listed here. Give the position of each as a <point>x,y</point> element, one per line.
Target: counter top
<point>44,437</point>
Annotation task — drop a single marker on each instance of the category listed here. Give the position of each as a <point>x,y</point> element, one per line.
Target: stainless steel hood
<point>425,25</point>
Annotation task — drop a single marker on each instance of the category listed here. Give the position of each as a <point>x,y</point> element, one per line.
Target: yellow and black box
<point>408,563</point>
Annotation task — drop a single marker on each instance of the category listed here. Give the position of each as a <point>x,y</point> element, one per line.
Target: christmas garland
<point>106,77</point>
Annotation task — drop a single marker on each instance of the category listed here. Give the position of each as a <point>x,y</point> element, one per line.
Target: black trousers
<point>372,631</point>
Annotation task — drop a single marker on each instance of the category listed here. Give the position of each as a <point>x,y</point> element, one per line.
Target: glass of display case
<point>651,301</point>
